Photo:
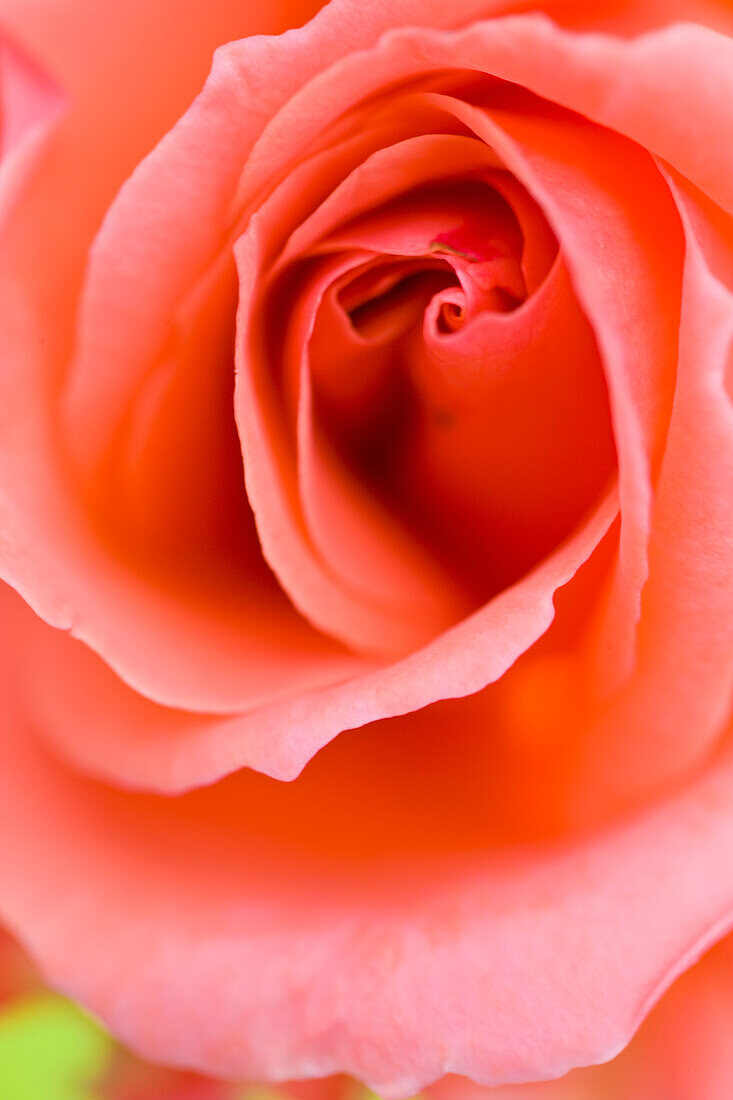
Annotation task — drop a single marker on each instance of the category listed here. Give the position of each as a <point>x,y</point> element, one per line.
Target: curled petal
<point>112,731</point>
<point>648,736</point>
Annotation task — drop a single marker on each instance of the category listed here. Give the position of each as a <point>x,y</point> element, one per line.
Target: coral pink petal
<point>635,88</point>
<point>540,245</point>
<point>523,445</point>
<point>633,17</point>
<point>681,1052</point>
<point>31,105</point>
<point>367,548</point>
<point>141,264</point>
<point>686,631</point>
<point>203,655</point>
<point>113,732</point>
<point>444,965</point>
<point>386,175</point>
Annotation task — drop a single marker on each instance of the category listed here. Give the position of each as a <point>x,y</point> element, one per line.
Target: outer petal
<point>110,730</point>
<point>625,85</point>
<point>491,964</point>
<point>681,1052</point>
<point>48,550</point>
<point>651,734</point>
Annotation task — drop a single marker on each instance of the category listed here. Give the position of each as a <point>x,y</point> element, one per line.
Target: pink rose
<point>366,499</point>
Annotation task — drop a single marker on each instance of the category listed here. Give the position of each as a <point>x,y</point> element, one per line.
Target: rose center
<point>433,387</point>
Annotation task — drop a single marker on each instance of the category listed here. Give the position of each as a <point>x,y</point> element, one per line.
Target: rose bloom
<point>366,524</point>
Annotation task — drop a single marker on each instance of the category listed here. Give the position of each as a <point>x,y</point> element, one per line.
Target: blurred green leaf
<point>50,1050</point>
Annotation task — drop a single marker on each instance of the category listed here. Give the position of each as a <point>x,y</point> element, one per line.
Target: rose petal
<point>514,443</point>
<point>651,735</point>
<point>48,550</point>
<point>31,106</point>
<point>682,1050</point>
<point>444,965</point>
<point>114,732</point>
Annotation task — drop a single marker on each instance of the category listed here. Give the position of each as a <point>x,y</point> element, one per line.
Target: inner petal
<point>368,549</point>
<point>485,432</point>
<point>463,221</point>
